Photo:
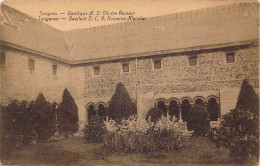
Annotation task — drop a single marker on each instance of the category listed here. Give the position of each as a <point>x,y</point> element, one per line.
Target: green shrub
<point>248,99</point>
<point>94,131</point>
<point>121,105</point>
<point>44,120</point>
<point>16,127</point>
<point>67,115</point>
<point>239,132</point>
<point>154,114</point>
<point>198,120</point>
<point>9,125</point>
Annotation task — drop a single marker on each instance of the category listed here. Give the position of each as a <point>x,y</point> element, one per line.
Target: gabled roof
<point>223,24</point>
<point>212,26</point>
<point>22,30</point>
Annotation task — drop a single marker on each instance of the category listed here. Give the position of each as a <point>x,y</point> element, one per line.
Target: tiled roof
<point>23,30</point>
<point>222,24</point>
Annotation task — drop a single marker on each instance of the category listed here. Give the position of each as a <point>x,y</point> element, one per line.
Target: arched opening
<point>55,109</point>
<point>162,106</point>
<point>24,105</point>
<point>174,110</point>
<point>102,111</point>
<point>91,112</point>
<point>199,101</point>
<point>54,106</point>
<point>185,107</point>
<point>213,109</point>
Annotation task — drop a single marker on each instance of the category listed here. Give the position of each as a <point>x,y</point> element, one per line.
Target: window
<point>157,64</point>
<point>230,57</point>
<point>54,69</point>
<point>31,64</point>
<point>96,70</point>
<point>125,67</point>
<point>193,61</point>
<point>2,59</point>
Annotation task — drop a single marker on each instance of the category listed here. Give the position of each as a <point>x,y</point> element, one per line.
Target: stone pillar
<point>180,117</point>
<point>144,104</point>
<point>168,110</point>
<point>219,113</point>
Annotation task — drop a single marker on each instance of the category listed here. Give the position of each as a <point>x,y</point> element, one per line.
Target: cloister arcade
<point>180,107</point>
<point>171,107</point>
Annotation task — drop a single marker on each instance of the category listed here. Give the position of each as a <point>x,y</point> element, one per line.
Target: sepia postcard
<point>140,82</point>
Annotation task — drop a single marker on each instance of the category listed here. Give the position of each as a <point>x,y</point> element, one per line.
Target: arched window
<point>213,109</point>
<point>199,101</point>
<point>185,107</point>
<point>162,106</point>
<point>91,112</point>
<point>24,105</point>
<point>174,110</point>
<point>102,111</point>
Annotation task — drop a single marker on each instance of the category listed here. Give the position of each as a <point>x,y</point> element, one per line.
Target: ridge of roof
<point>230,7</point>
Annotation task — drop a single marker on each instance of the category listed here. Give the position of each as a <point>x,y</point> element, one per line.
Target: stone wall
<point>102,87</point>
<point>78,80</point>
<point>176,78</point>
<point>20,83</point>
<point>211,73</point>
<point>211,76</point>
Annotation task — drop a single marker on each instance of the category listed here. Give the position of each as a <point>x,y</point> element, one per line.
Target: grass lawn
<point>73,151</point>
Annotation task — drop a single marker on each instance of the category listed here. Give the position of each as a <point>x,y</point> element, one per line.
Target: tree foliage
<point>44,120</point>
<point>121,105</point>
<point>16,127</point>
<point>248,99</point>
<point>154,114</point>
<point>94,130</point>
<point>198,120</point>
<point>9,123</point>
<point>67,115</point>
<point>239,132</point>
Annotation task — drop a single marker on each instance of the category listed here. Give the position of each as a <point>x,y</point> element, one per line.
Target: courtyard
<point>74,151</point>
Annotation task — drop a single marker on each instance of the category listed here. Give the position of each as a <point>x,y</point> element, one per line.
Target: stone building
<point>172,61</point>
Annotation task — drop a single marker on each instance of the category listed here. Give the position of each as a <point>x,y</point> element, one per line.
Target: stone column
<point>219,113</point>
<point>180,117</point>
<point>168,110</point>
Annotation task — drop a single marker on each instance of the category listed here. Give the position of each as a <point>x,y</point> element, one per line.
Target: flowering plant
<point>137,135</point>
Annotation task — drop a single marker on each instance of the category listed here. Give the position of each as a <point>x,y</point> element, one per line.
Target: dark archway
<point>199,101</point>
<point>174,109</point>
<point>24,104</point>
<point>55,109</point>
<point>162,106</point>
<point>102,111</point>
<point>213,109</point>
<point>185,107</point>
<point>91,112</point>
